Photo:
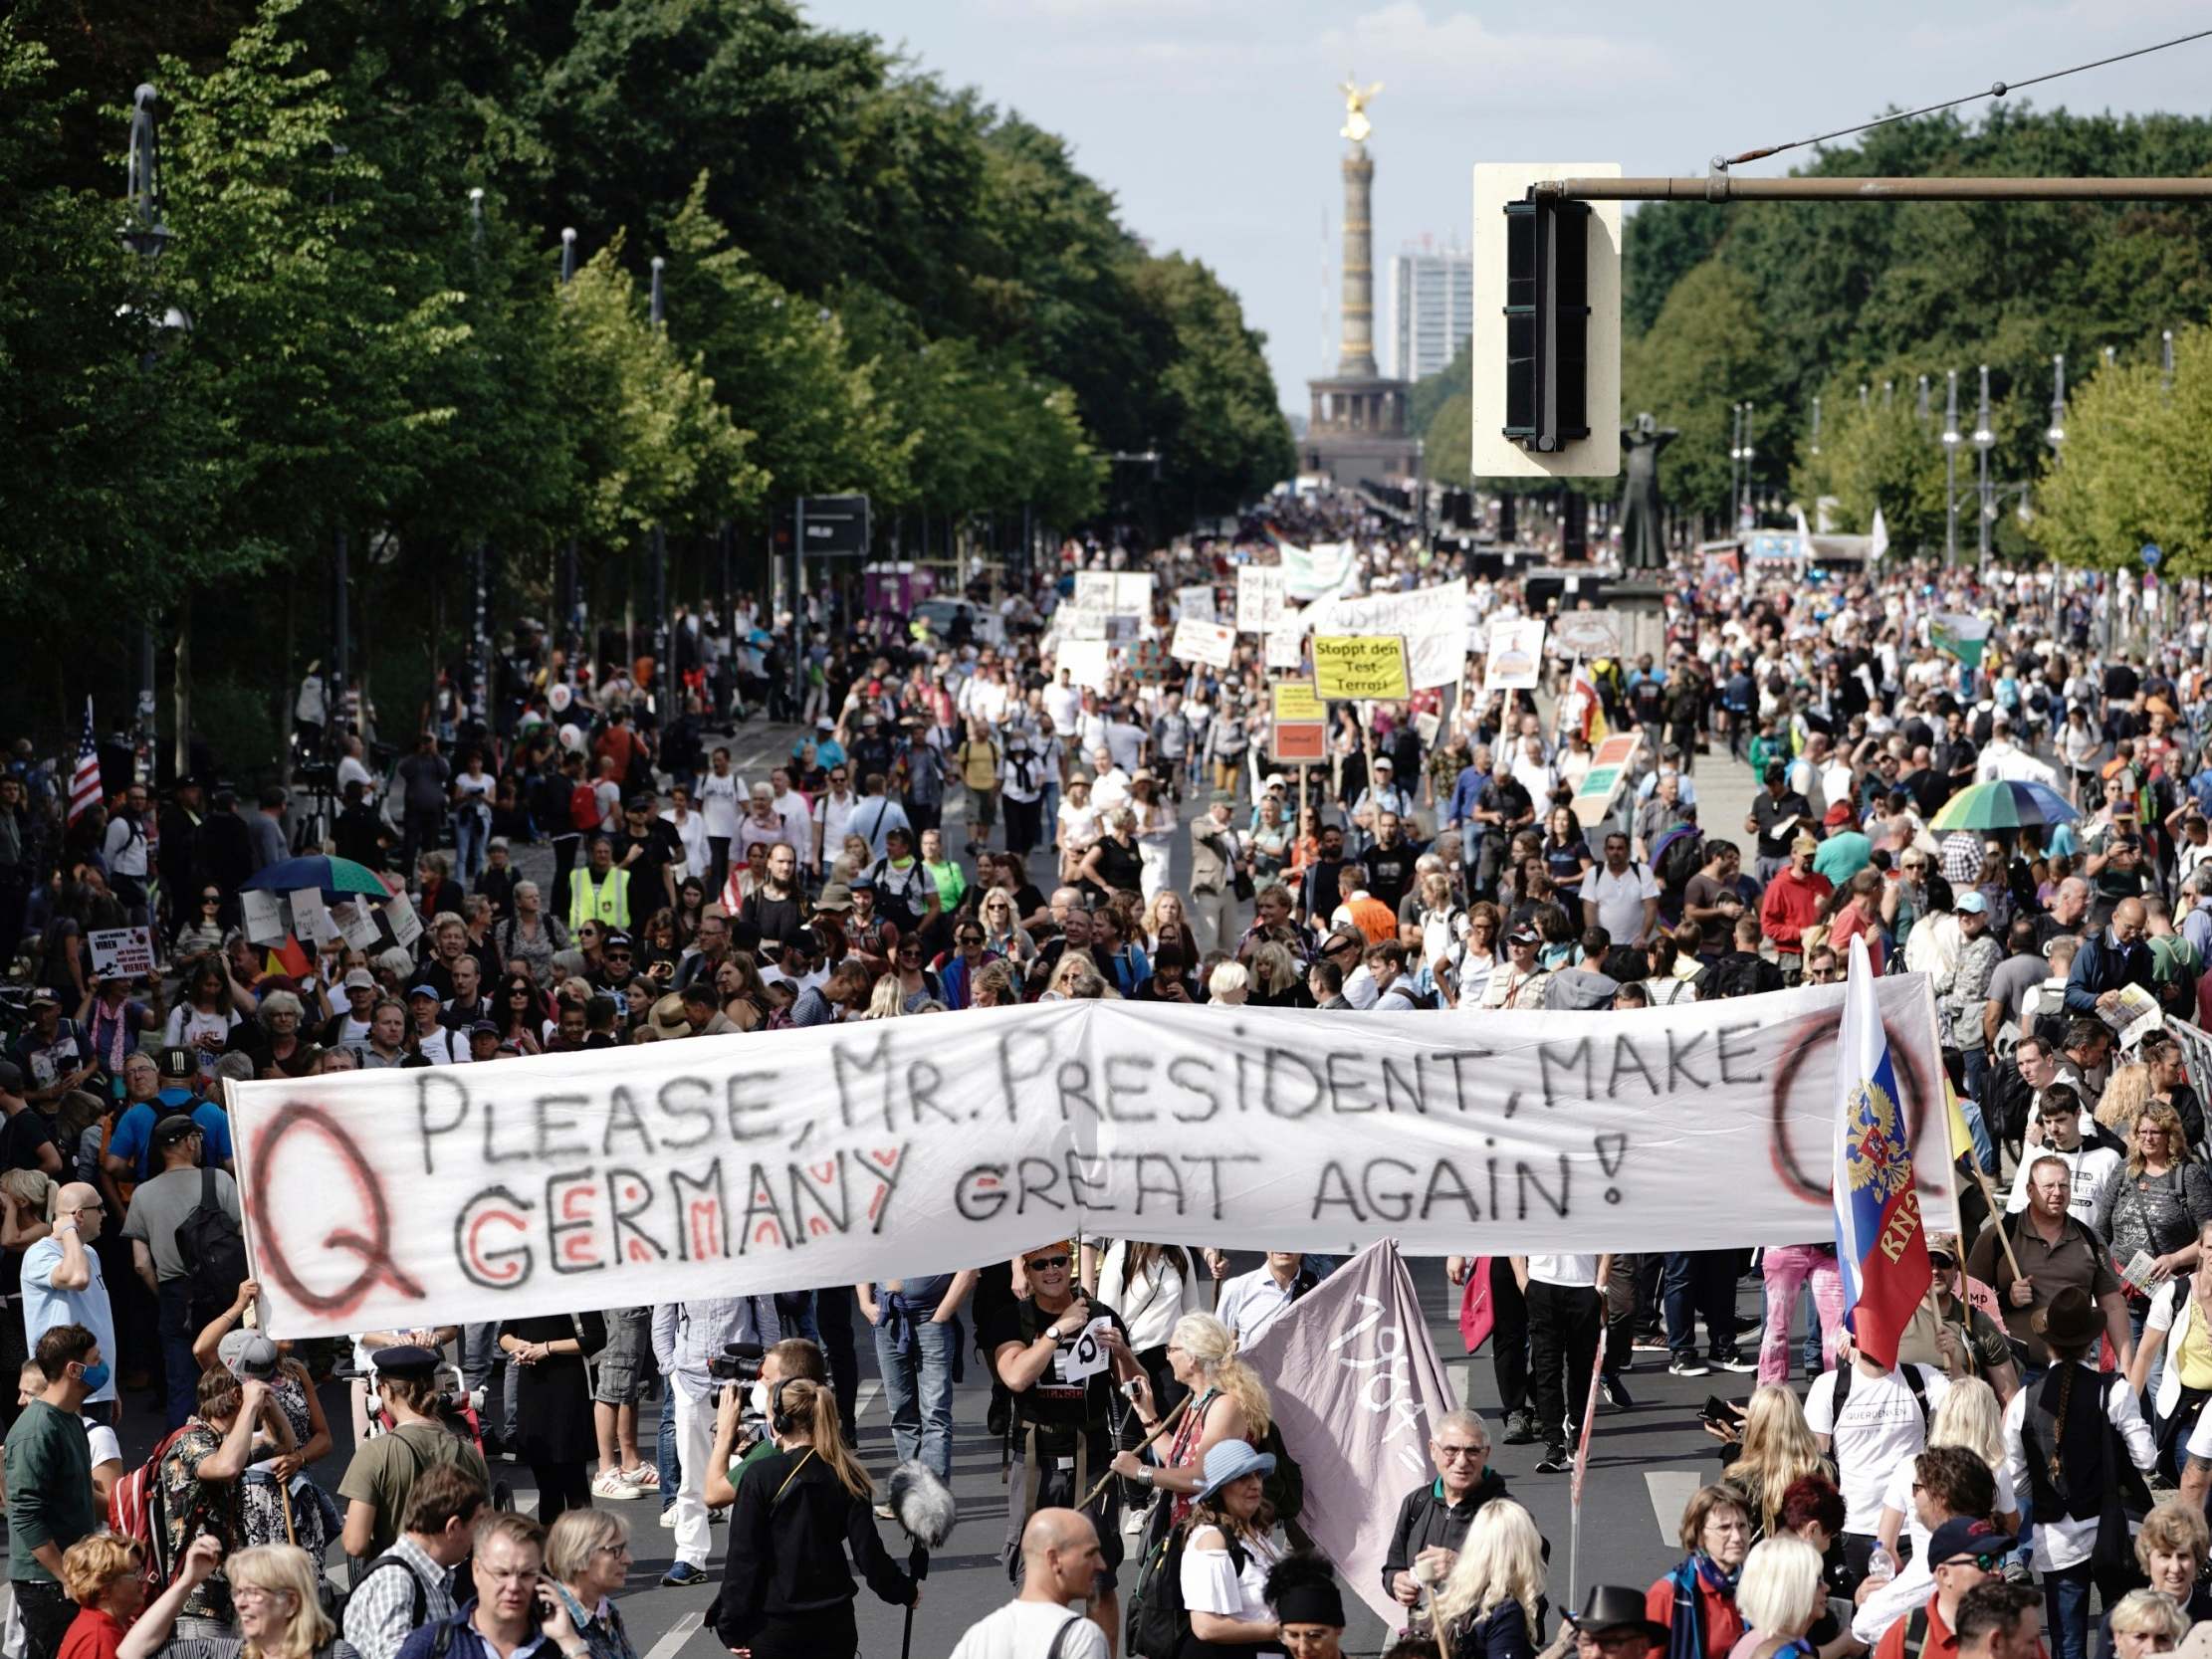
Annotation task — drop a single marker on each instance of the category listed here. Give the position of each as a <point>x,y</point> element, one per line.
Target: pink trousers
<point>1788,1269</point>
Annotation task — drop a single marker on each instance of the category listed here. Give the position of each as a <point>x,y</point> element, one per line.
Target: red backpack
<point>584,807</point>
<point>135,1513</point>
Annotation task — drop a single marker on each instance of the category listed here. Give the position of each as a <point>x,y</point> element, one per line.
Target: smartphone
<point>1717,1411</point>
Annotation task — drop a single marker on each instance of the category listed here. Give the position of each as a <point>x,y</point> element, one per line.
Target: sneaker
<point>1522,1431</point>
<point>668,1518</point>
<point>1555,1461</point>
<point>1616,1391</point>
<point>683,1575</point>
<point>644,1477</point>
<point>1732,1360</point>
<point>612,1485</point>
<point>1651,1342</point>
<point>1688,1364</point>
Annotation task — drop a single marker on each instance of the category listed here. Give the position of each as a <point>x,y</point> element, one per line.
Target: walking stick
<point>1158,1429</point>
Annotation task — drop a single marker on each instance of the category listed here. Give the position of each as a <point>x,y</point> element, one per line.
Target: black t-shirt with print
<point>1057,1406</point>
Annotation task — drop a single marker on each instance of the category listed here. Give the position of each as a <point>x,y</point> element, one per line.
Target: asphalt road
<point>1644,1459</point>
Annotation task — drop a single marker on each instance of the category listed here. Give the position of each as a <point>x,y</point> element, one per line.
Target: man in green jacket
<point>50,1484</point>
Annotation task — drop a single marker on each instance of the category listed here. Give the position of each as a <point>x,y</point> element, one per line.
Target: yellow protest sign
<point>1296,699</point>
<point>1360,667</point>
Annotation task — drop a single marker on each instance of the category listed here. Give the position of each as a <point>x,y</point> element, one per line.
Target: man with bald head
<point>2109,962</point>
<point>62,1285</point>
<point>1059,1560</point>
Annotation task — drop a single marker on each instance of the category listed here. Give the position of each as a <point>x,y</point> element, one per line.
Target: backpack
<point>212,1248</point>
<point>414,1579</point>
<point>1912,1380</point>
<point>136,1513</point>
<point>584,807</point>
<point>1162,1621</point>
<point>1285,1488</point>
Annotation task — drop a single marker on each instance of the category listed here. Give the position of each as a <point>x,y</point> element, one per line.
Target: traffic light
<point>1546,389</point>
<point>1547,323</point>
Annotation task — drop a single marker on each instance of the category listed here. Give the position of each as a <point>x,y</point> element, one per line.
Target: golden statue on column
<point>1356,101</point>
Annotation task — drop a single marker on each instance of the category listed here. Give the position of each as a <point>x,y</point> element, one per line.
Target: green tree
<point>1224,436</point>
<point>2137,466</point>
<point>1708,350</point>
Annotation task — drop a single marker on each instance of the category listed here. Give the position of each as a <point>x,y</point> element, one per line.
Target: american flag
<point>83,782</point>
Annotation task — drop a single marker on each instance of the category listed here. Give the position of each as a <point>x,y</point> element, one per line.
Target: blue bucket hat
<point>1230,1459</point>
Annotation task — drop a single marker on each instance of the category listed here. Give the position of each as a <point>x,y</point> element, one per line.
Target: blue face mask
<point>96,1377</point>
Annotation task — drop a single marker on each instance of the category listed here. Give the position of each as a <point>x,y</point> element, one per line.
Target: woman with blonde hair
<point>1228,986</point>
<point>276,1590</point>
<point>2127,1092</point>
<point>1165,923</point>
<point>1696,1600</point>
<point>2144,1622</point>
<point>587,1557</point>
<point>101,1574</point>
<point>1491,1604</point>
<point>1971,1419</point>
<point>1776,1449</point>
<point>887,1001</point>
<point>2154,1207</point>
<point>1779,1594</point>
<point>786,1592</point>
<point>1227,1401</point>
<point>2172,1547</point>
<point>1275,978</point>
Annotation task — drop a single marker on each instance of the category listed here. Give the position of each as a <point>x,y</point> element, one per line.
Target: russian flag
<point>1879,1241</point>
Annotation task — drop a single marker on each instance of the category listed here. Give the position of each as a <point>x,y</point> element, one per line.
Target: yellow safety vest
<point>607,902</point>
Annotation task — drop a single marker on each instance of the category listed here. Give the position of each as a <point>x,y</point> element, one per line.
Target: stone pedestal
<point>1638,599</point>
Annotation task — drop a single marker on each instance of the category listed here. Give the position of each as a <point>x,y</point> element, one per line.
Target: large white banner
<point>1312,573</point>
<point>780,1161</point>
<point>1433,621</point>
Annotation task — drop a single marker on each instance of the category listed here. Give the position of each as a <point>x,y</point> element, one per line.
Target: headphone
<point>780,1422</point>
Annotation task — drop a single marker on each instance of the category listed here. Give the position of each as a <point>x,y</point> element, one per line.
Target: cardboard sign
<point>1089,662</point>
<point>310,916</point>
<point>357,925</point>
<point>1516,656</point>
<point>1117,592</point>
<point>1587,634</point>
<point>1195,604</point>
<point>1299,742</point>
<point>1296,700</point>
<point>122,951</point>
<point>1362,667</point>
<point>1261,604</point>
<point>1286,648</point>
<point>1609,769</point>
<point>406,924</point>
<point>264,914</point>
<point>1210,643</point>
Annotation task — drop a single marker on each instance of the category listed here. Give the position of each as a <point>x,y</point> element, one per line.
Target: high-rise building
<point>1432,308</point>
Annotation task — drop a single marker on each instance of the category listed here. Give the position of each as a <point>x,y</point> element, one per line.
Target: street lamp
<point>146,232</point>
<point>661,666</point>
<point>1984,438</point>
<point>2165,361</point>
<point>480,559</point>
<point>1923,406</point>
<point>1950,469</point>
<point>572,596</point>
<point>1735,463</point>
<point>1749,454</point>
<point>1814,446</point>
<point>2055,433</point>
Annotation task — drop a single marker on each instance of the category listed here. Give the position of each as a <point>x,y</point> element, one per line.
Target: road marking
<point>678,1633</point>
<point>1670,1491</point>
<point>866,1397</point>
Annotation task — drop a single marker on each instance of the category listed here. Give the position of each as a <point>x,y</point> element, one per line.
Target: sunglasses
<point>1045,1264</point>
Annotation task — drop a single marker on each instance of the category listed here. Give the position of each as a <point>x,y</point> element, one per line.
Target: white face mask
<point>758,1398</point>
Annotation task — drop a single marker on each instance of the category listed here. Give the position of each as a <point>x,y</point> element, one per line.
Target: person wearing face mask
<point>50,1484</point>
<point>686,1337</point>
<point>742,1414</point>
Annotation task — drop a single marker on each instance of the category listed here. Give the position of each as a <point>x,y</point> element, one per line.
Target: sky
<point>1215,121</point>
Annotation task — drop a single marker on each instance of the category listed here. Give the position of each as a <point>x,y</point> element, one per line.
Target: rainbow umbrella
<point>338,878</point>
<point>2009,803</point>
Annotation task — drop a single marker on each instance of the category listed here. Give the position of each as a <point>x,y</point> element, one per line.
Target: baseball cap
<point>249,1356</point>
<point>484,1028</point>
<point>1837,815</point>
<point>616,942</point>
<point>359,979</point>
<point>1525,934</point>
<point>1965,1536</point>
<point>178,1064</point>
<point>1972,901</point>
<point>431,991</point>
<point>44,996</point>
<point>172,1128</point>
<point>1274,781</point>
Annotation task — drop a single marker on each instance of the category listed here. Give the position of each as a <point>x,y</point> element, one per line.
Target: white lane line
<point>1670,1491</point>
<point>866,1397</point>
<point>678,1633</point>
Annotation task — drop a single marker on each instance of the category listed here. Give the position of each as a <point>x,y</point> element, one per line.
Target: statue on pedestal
<point>1356,101</point>
<point>1643,525</point>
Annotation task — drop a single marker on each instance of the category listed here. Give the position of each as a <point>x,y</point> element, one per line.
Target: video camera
<point>736,1363</point>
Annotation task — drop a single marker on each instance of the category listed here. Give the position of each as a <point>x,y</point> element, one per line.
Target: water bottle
<point>1880,1566</point>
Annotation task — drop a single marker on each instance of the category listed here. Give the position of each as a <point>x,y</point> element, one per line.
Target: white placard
<point>264,915</point>
<point>1195,604</point>
<point>1432,621</point>
<point>1116,592</point>
<point>1087,1356</point>
<point>124,951</point>
<point>1210,643</point>
<point>1260,603</point>
<point>406,924</point>
<point>1081,622</point>
<point>1089,662</point>
<point>1516,659</point>
<point>356,924</point>
<point>1286,648</point>
<point>736,1165</point>
<point>311,918</point>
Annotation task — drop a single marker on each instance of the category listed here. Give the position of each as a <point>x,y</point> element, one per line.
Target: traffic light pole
<point>1723,187</point>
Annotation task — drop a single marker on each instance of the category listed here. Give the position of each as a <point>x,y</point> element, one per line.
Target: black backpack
<point>212,1249</point>
<point>1162,1621</point>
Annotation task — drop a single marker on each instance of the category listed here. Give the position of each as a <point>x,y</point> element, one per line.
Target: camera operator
<point>1062,1354</point>
<point>786,1592</point>
<point>689,1339</point>
<point>742,1414</point>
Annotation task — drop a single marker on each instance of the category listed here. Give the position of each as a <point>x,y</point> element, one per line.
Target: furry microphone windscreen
<point>923,1505</point>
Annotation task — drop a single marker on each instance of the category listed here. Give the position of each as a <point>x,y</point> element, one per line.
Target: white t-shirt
<point>718,804</point>
<point>691,832</point>
<point>1025,1629</point>
<point>1213,1583</point>
<point>1619,899</point>
<point>1881,1427</point>
<point>1576,1272</point>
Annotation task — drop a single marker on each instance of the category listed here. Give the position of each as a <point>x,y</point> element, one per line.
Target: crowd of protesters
<point>961,824</point>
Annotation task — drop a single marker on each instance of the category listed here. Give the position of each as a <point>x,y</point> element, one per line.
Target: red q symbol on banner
<point>373,1246</point>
